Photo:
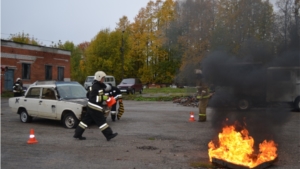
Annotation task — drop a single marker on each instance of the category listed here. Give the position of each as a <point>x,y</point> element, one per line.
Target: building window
<point>48,72</point>
<point>60,73</point>
<point>26,70</point>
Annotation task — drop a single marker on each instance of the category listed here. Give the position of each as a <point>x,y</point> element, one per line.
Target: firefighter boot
<point>78,133</point>
<point>108,133</point>
<point>202,118</point>
<point>113,117</point>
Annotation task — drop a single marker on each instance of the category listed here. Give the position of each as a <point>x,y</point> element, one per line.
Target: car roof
<point>51,83</point>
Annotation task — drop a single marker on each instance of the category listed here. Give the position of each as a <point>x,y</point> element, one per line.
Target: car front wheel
<point>24,117</point>
<point>70,121</point>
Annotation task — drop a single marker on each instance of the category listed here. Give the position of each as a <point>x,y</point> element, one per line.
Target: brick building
<point>32,63</point>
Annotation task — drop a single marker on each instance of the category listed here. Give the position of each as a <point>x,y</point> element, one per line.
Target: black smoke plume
<point>235,77</point>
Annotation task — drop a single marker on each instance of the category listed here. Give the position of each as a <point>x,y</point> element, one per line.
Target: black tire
<point>243,104</point>
<point>297,104</point>
<point>24,117</point>
<point>70,121</point>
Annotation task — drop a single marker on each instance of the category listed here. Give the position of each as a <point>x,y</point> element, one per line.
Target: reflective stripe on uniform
<point>113,112</point>
<point>103,127</point>
<point>202,114</point>
<point>97,99</point>
<point>82,125</point>
<point>119,96</point>
<point>95,107</point>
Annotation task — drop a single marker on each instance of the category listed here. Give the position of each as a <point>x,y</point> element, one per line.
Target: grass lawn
<point>7,94</point>
<point>169,90</point>
<point>160,94</point>
<point>149,94</point>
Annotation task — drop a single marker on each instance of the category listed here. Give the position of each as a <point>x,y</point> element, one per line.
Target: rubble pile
<point>190,101</point>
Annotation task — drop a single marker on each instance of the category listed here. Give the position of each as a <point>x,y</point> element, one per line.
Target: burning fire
<point>237,148</point>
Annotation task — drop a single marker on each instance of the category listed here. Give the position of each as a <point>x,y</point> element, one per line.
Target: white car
<point>56,100</point>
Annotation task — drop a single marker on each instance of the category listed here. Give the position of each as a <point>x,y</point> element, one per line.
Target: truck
<point>252,84</point>
<point>283,85</point>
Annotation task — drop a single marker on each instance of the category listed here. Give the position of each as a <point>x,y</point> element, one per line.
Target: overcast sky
<point>66,20</point>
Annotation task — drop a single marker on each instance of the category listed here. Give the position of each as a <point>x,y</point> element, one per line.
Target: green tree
<point>239,21</point>
<point>76,56</point>
<point>24,38</point>
<point>147,38</point>
<point>103,53</point>
<point>194,24</point>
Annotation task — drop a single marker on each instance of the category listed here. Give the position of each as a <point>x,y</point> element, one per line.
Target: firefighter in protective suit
<point>18,88</point>
<point>204,94</point>
<point>96,109</point>
<point>116,93</point>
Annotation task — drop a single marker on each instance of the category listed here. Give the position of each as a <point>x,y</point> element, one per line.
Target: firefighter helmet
<point>99,75</point>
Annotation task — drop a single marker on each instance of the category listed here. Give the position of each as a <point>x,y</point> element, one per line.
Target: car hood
<point>78,101</point>
<point>125,85</point>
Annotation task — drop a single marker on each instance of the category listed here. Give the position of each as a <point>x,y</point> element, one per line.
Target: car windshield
<point>90,79</point>
<point>128,81</point>
<point>71,91</point>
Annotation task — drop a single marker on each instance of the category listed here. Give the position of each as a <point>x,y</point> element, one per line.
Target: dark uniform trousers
<point>99,118</point>
<point>114,111</point>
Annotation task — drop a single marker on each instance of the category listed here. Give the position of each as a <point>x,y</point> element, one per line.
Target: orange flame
<point>237,148</point>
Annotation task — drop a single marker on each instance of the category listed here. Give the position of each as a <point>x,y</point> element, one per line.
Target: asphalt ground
<point>151,135</point>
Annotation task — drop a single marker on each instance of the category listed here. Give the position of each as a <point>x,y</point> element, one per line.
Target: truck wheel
<point>70,121</point>
<point>243,104</point>
<point>24,117</point>
<point>297,104</point>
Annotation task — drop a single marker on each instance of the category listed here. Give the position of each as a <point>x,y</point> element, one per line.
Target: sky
<point>66,20</point>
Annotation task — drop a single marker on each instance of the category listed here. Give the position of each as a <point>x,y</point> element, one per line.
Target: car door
<point>48,103</point>
<point>31,101</point>
<point>138,84</point>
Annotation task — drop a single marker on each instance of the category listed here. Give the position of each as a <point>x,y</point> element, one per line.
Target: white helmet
<point>18,79</point>
<point>99,75</point>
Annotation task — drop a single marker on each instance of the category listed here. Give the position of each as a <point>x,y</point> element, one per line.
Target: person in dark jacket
<point>18,88</point>
<point>116,93</point>
<point>96,109</point>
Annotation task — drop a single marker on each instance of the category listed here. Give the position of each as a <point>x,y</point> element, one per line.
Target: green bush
<point>7,94</point>
<point>169,90</point>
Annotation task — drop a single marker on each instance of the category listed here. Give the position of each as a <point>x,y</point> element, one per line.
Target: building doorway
<point>9,79</point>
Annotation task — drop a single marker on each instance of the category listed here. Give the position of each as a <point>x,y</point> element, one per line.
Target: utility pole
<point>122,51</point>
